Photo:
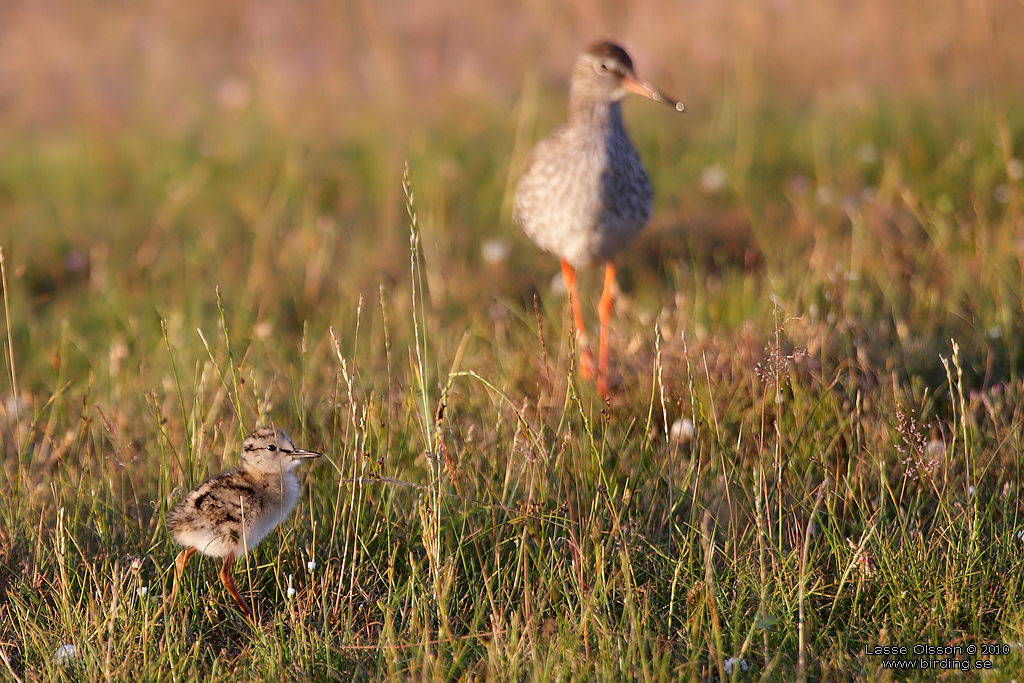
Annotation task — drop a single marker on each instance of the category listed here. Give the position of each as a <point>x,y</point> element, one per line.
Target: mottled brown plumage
<point>584,195</point>
<point>228,515</point>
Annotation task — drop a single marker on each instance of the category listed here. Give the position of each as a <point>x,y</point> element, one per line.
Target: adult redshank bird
<point>584,195</point>
<point>226,516</point>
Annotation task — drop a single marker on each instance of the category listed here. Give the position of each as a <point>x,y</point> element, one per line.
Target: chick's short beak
<point>299,454</point>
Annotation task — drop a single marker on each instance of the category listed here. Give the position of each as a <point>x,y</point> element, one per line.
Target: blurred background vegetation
<point>129,129</point>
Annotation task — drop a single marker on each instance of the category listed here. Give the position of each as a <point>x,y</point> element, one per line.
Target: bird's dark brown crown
<point>605,50</point>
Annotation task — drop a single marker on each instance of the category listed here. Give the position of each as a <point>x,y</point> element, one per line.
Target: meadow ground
<point>814,447</point>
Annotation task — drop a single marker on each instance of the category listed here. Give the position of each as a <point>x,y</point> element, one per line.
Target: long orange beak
<point>638,87</point>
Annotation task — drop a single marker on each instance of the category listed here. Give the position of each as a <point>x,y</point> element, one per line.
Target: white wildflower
<point>733,662</point>
<point>558,287</point>
<point>65,653</point>
<point>713,179</point>
<point>494,251</point>
<point>935,450</point>
<point>682,430</point>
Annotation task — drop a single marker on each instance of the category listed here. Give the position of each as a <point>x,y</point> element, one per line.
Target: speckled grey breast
<point>584,195</point>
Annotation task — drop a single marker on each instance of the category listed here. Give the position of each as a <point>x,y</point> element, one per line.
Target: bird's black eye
<point>604,66</point>
<point>271,447</point>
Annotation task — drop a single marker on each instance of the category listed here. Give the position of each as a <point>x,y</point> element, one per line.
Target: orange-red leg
<point>229,583</point>
<point>181,560</point>
<point>179,568</point>
<point>569,277</point>
<point>604,309</point>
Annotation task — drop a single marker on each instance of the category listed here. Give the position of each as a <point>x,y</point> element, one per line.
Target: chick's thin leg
<point>229,583</point>
<point>179,568</point>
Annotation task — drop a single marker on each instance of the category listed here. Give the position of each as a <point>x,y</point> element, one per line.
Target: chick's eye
<point>271,447</point>
<point>604,67</point>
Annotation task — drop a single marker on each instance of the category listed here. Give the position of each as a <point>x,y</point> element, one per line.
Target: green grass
<point>851,368</point>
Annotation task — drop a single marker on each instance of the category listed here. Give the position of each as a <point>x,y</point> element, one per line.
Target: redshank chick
<point>228,515</point>
<point>584,195</point>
